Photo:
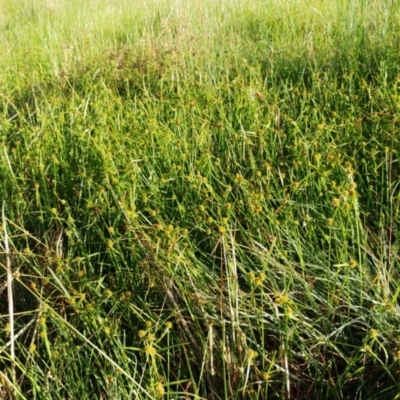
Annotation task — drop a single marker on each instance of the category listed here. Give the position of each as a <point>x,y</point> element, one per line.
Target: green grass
<point>200,200</point>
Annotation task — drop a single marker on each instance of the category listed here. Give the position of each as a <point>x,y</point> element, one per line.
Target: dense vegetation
<point>199,199</point>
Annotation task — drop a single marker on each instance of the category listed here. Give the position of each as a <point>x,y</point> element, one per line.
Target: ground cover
<point>199,200</point>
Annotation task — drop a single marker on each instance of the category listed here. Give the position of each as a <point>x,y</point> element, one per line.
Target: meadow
<point>199,200</point>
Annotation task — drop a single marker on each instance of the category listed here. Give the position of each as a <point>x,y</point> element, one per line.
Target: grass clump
<point>199,200</point>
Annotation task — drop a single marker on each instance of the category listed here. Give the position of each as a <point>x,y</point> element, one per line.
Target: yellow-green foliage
<point>200,199</point>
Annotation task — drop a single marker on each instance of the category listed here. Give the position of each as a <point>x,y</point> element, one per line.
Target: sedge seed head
<point>107,330</point>
<point>150,350</point>
<point>373,333</point>
<point>257,282</point>
<point>352,192</point>
<point>142,333</point>
<point>168,324</point>
<point>150,337</point>
<point>367,348</point>
<point>295,185</point>
<point>252,354</point>
<point>159,388</point>
<point>266,375</point>
<point>289,312</point>
<point>353,263</point>
<point>335,202</point>
<point>257,209</point>
<point>221,230</point>
<point>317,157</point>
<point>282,299</point>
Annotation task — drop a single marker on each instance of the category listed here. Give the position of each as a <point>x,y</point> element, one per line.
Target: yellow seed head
<point>352,192</point>
<point>149,324</point>
<point>159,389</point>
<point>353,263</point>
<point>107,330</point>
<point>258,209</point>
<point>317,157</point>
<point>257,282</point>
<point>266,375</point>
<point>335,202</point>
<point>142,333</point>
<point>150,337</point>
<point>252,354</point>
<point>373,333</point>
<point>150,350</point>
<point>168,325</point>
<point>282,299</point>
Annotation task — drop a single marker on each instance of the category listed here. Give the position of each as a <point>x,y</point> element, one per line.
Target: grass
<point>199,200</point>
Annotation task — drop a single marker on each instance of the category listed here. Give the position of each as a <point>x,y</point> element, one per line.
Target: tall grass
<point>200,200</point>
